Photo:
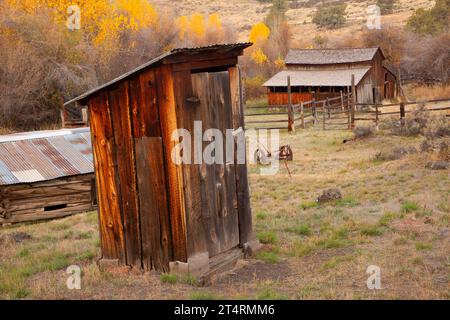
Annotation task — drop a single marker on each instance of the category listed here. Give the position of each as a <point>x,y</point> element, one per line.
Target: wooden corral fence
<point>341,112</point>
<point>294,116</point>
<point>376,112</point>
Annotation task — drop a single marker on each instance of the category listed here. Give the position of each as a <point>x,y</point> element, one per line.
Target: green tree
<point>330,16</point>
<point>432,21</point>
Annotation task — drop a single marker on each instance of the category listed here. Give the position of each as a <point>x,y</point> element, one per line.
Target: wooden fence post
<point>353,102</point>
<point>328,107</point>
<point>323,116</point>
<point>291,124</point>
<point>302,114</point>
<point>376,116</point>
<point>314,110</point>
<point>342,101</point>
<point>402,114</point>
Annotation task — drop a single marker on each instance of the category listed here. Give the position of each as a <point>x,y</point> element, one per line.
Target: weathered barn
<point>46,174</point>
<point>321,73</point>
<point>154,213</point>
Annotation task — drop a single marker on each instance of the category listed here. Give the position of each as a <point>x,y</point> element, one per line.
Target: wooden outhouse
<point>154,213</point>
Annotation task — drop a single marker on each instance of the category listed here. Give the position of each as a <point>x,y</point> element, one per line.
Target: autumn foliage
<point>43,63</point>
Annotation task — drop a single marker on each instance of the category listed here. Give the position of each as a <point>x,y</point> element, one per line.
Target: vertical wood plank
<point>126,169</point>
<point>111,228</point>
<point>153,203</point>
<point>144,108</point>
<point>167,111</point>
<point>353,109</point>
<point>187,113</point>
<point>242,190</point>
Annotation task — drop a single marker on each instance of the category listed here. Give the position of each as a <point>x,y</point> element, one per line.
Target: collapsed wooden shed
<point>153,213</point>
<point>46,174</point>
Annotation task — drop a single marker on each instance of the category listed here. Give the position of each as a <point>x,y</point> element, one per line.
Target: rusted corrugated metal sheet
<point>45,155</point>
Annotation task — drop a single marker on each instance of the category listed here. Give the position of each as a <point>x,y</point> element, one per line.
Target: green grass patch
<point>261,215</point>
<point>268,256</point>
<point>270,294</point>
<point>386,219</point>
<point>371,230</point>
<point>347,202</point>
<point>423,246</point>
<point>267,237</point>
<point>169,278</point>
<point>24,253</point>
<point>308,205</point>
<point>303,230</point>
<point>409,206</point>
<point>189,279</point>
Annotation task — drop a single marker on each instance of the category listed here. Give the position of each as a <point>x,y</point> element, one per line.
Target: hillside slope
<point>242,14</point>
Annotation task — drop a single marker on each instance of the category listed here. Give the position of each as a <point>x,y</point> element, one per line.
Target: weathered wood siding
<point>281,98</point>
<point>48,199</point>
<point>151,210</point>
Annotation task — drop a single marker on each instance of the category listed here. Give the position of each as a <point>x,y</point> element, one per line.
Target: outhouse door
<point>209,189</point>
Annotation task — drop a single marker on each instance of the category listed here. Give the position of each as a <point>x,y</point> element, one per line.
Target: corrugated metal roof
<point>159,59</point>
<point>330,56</point>
<point>336,77</point>
<point>44,155</point>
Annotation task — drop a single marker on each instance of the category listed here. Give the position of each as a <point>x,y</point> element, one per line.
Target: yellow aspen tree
<point>183,26</point>
<point>214,22</point>
<point>197,25</point>
<point>259,33</point>
<point>259,57</point>
<point>279,63</point>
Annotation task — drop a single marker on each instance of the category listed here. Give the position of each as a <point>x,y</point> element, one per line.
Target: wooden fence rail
<point>331,111</point>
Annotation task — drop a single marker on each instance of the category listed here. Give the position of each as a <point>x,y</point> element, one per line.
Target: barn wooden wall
<point>281,98</point>
<point>40,200</point>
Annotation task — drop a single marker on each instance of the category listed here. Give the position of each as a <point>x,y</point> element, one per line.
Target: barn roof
<point>330,56</point>
<point>333,77</point>
<point>44,155</point>
<point>159,59</point>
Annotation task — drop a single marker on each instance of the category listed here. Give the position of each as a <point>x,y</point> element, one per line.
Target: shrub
<point>253,86</point>
<point>432,21</point>
<point>386,6</point>
<point>394,154</point>
<point>330,16</point>
<point>363,131</point>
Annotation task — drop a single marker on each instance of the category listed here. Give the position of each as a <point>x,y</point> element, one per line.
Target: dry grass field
<point>393,213</point>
